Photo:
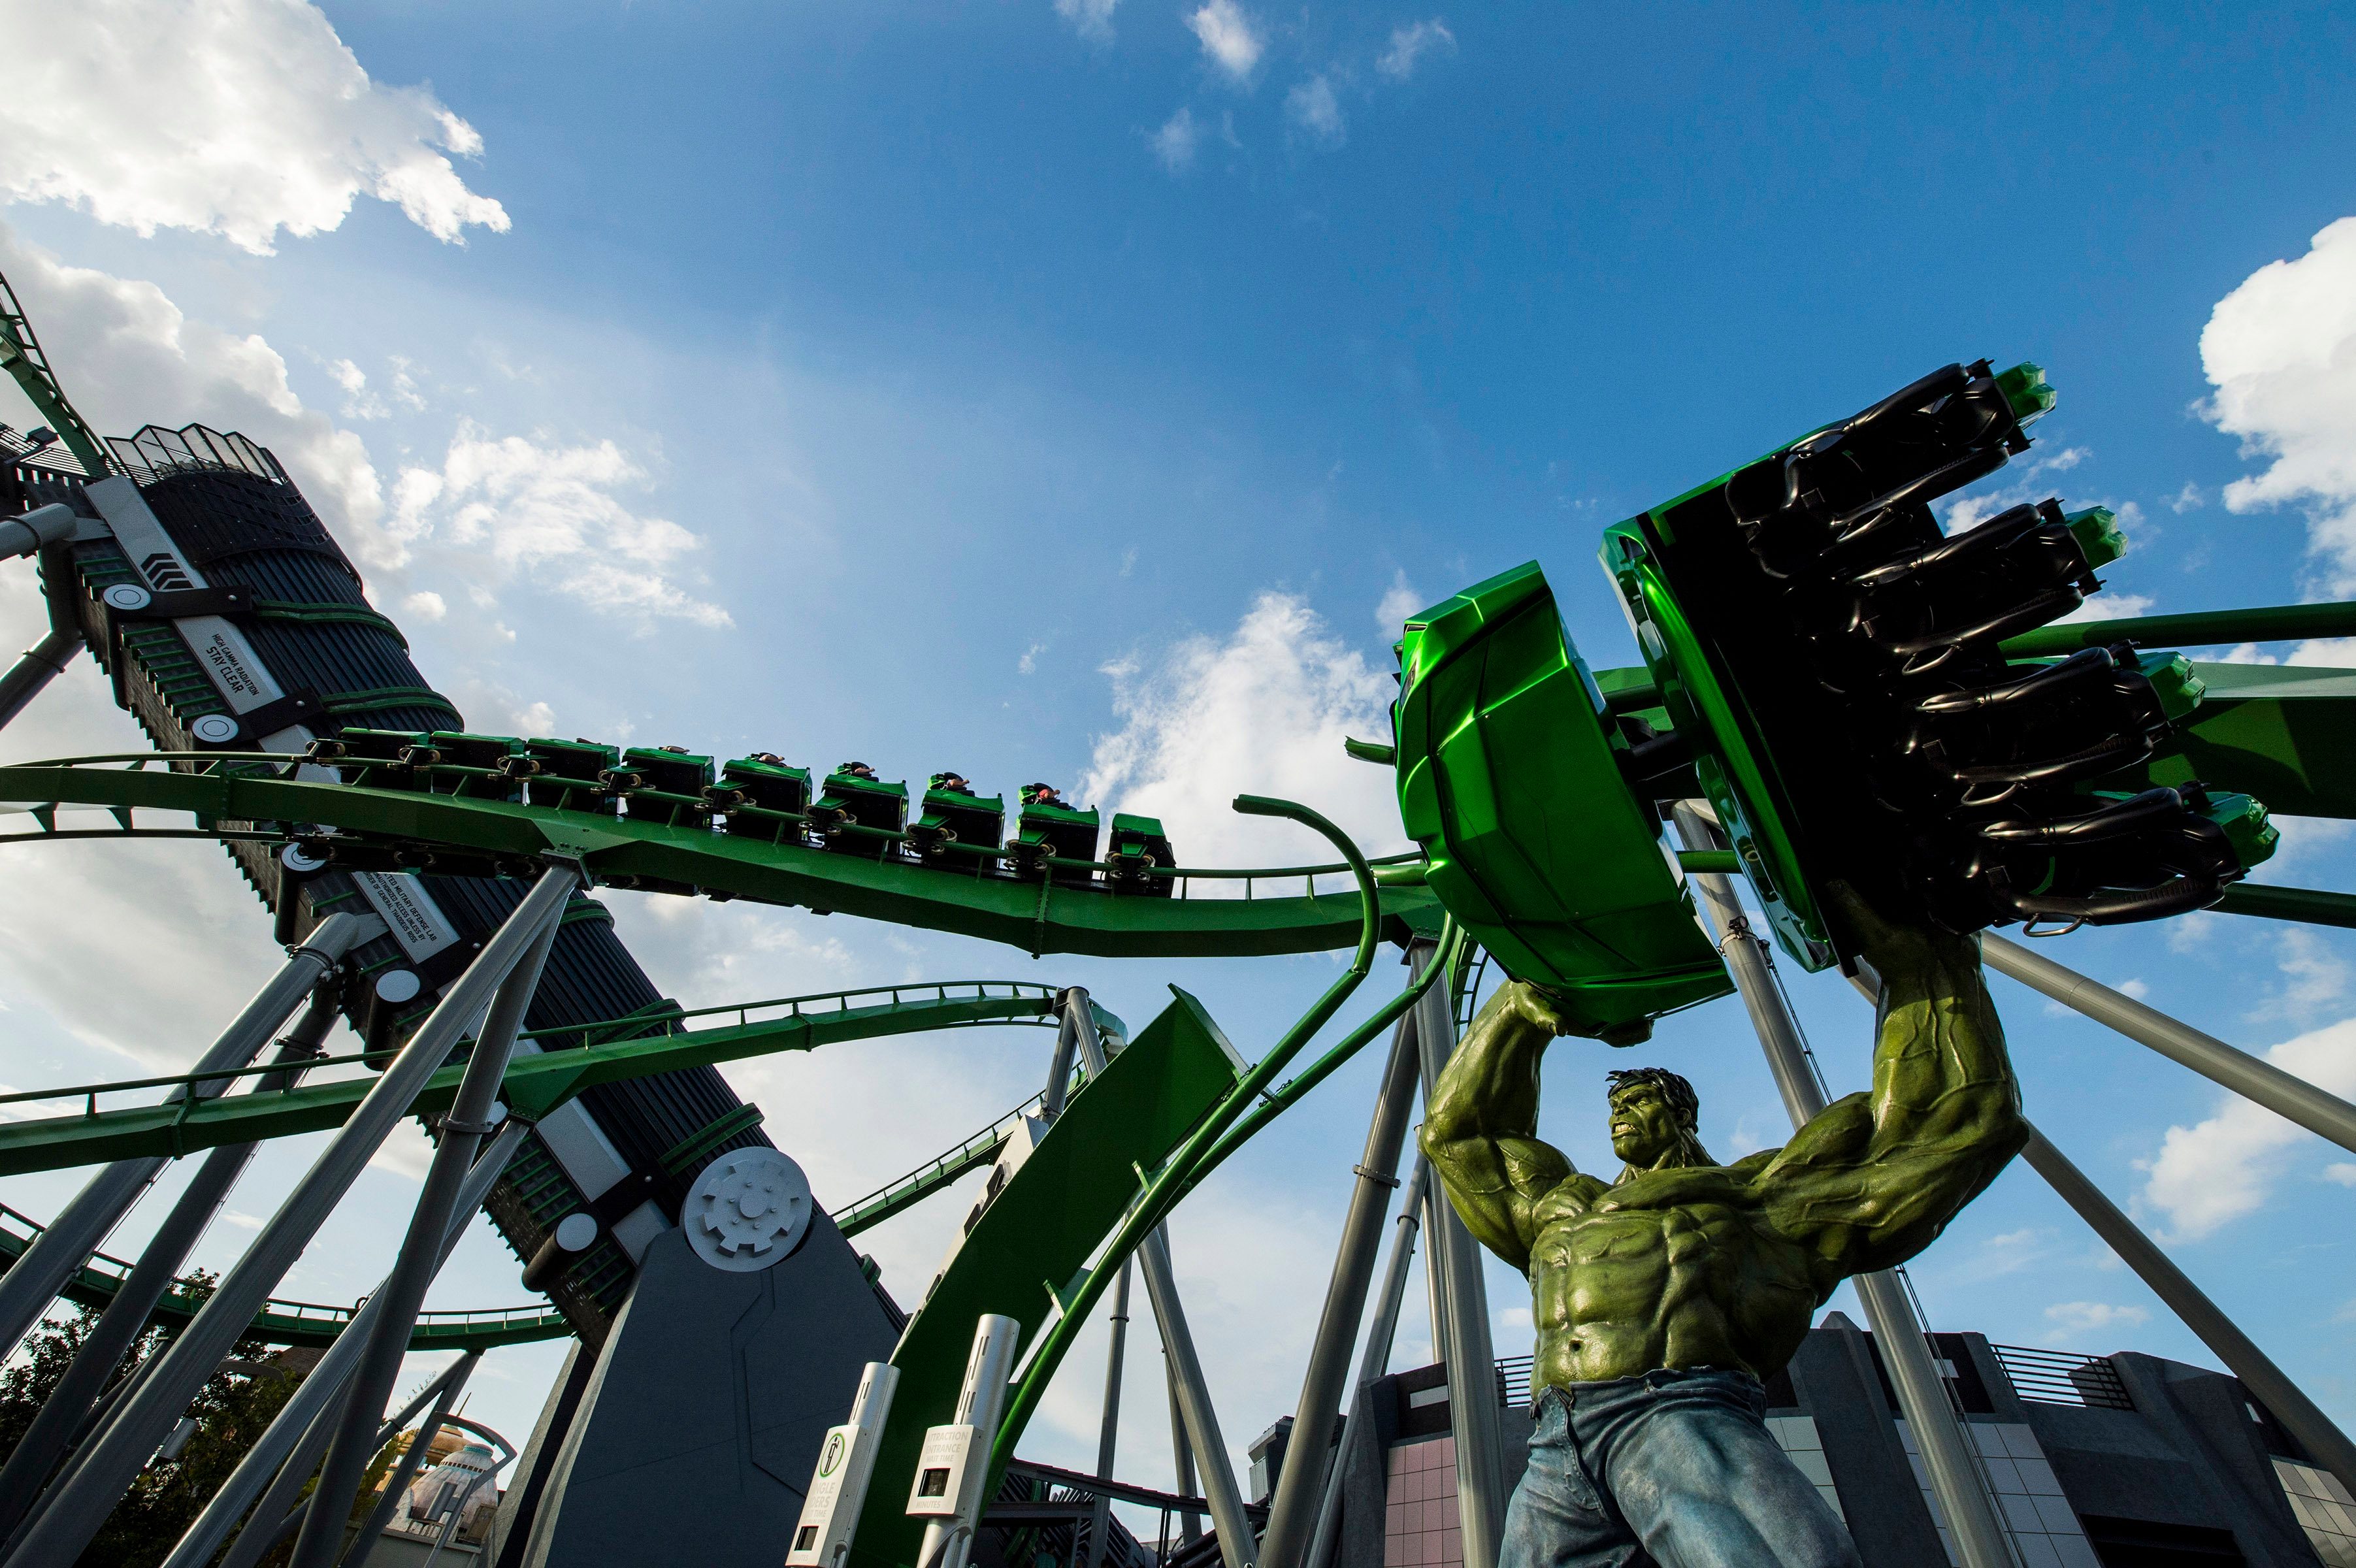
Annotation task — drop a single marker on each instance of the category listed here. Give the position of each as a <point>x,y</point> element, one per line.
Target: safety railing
<point>641,1025</point>
<point>2061,1376</point>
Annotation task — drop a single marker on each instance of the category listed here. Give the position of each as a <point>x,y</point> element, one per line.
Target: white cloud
<point>2060,462</point>
<point>1092,19</point>
<point>2281,351</point>
<point>1229,38</point>
<point>1262,711</point>
<point>2212,1173</point>
<point>1400,601</point>
<point>2341,1172</point>
<point>2189,499</point>
<point>1175,142</point>
<point>2111,604</point>
<point>425,606</point>
<point>1410,44</point>
<point>1312,106</point>
<point>2071,1318</point>
<point>129,356</point>
<point>532,506</point>
<point>1029,663</point>
<point>234,117</point>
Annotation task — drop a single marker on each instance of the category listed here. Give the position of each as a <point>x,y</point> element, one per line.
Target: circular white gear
<point>749,1209</point>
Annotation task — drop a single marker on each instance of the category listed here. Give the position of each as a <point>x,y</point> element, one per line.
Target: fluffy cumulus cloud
<point>2216,1171</point>
<point>534,508</point>
<point>1315,109</point>
<point>2074,1319</point>
<point>2281,352</point>
<point>1410,44</point>
<point>1263,709</point>
<point>1231,40</point>
<point>240,118</point>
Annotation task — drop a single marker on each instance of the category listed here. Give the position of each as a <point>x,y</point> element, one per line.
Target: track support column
<point>1460,1299</point>
<point>33,1281</point>
<point>2287,1096</point>
<point>87,1495</point>
<point>1300,1480</point>
<point>2297,1413</point>
<point>1955,1480</point>
<point>1108,1434</point>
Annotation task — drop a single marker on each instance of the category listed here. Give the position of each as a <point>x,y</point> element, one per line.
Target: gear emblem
<point>748,1209</point>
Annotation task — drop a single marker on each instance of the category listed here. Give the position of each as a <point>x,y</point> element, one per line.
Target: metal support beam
<point>1108,1434</point>
<point>1955,1478</point>
<point>1461,1326</point>
<point>66,1412</point>
<point>2287,1096</point>
<point>1301,1479</point>
<point>404,1288</point>
<point>2297,1413</point>
<point>32,1282</point>
<point>298,1435</point>
<point>1377,1360</point>
<point>280,1513</point>
<point>41,664</point>
<point>87,1495</point>
<point>1190,1525</point>
<point>1238,1547</point>
<point>411,1462</point>
<point>1071,1024</point>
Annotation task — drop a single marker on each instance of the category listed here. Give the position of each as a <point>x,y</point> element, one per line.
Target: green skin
<point>1682,1261</point>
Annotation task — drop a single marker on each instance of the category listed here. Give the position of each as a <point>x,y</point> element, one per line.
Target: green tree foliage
<point>233,1409</point>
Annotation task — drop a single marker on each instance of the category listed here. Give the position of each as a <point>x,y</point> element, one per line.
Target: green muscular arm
<point>1480,1129</point>
<point>1873,1179</point>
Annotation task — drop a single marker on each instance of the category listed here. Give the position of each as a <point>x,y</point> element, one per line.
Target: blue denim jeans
<point>1666,1470</point>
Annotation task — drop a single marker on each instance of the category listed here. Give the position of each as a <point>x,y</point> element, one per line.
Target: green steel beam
<point>291,1322</point>
<point>21,356</point>
<point>2283,733</point>
<point>2205,628</point>
<point>930,1177</point>
<point>2309,904</point>
<point>1031,1246</point>
<point>1037,918</point>
<point>533,1086</point>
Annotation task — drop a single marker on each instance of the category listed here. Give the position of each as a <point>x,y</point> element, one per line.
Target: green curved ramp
<point>1028,1248</point>
<point>1509,775</point>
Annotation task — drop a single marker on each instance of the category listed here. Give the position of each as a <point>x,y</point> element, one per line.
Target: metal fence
<point>2061,1376</point>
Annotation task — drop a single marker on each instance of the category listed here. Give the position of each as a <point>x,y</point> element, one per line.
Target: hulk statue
<point>1663,1297</point>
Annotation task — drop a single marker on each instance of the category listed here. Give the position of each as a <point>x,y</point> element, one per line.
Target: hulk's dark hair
<point>1675,1090</point>
<point>1684,1104</point>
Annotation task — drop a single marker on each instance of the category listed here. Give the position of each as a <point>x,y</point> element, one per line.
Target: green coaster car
<point>1512,774</point>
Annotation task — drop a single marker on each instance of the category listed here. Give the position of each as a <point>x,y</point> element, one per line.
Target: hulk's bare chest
<point>1652,1228</point>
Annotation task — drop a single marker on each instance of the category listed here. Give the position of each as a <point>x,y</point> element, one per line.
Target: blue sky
<point>1084,392</point>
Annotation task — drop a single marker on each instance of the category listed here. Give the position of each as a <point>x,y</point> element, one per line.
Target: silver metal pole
<point>280,1513</point>
<point>948,1540</point>
<point>1237,1544</point>
<point>411,1462</point>
<point>299,1432</point>
<point>1452,1262</point>
<point>2298,1415</point>
<point>1301,1479</point>
<point>1071,1024</point>
<point>64,1413</point>
<point>1108,1434</point>
<point>2292,1098</point>
<point>404,1288</point>
<point>33,1281</point>
<point>41,664</point>
<point>1376,1361</point>
<point>1955,1480</point>
<point>1190,1525</point>
<point>89,1493</point>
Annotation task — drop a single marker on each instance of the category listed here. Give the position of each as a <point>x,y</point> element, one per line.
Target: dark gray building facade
<point>2121,1461</point>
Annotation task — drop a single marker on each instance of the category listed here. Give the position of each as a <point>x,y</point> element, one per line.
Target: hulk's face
<point>1644,1125</point>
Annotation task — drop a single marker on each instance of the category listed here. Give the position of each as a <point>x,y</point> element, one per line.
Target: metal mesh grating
<point>2059,1377</point>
